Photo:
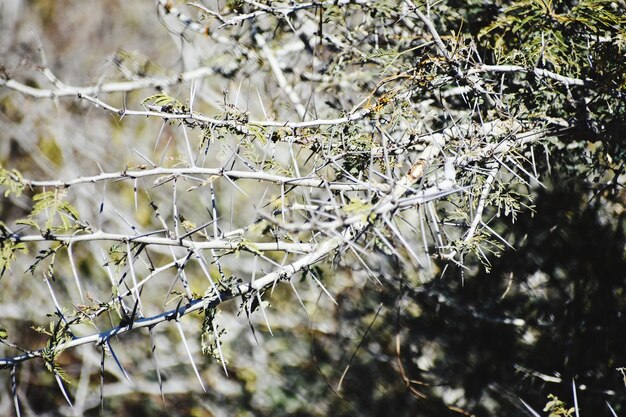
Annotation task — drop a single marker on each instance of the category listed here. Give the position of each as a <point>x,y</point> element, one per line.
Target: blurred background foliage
<point>468,342</point>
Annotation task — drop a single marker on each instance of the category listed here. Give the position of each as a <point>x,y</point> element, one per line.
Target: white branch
<point>537,71</point>
<point>115,87</point>
<point>316,182</point>
<point>219,244</point>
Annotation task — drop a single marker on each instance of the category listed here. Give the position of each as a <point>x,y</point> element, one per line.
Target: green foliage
<point>383,8</point>
<point>117,255</point>
<point>259,134</point>
<point>557,408</point>
<point>42,255</point>
<point>508,200</point>
<point>58,333</point>
<point>356,150</point>
<point>483,245</point>
<point>12,180</point>
<point>8,249</point>
<point>165,103</point>
<point>232,112</point>
<point>553,34</point>
<point>60,215</point>
<point>248,245</point>
<point>211,332</point>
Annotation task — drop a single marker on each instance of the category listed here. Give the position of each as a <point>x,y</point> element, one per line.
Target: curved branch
<point>115,87</point>
<point>211,172</point>
<point>219,244</point>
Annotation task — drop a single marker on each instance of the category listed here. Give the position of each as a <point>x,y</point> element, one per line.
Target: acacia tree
<point>284,188</point>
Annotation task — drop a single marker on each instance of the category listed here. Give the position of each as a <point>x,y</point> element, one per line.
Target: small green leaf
<point>12,180</point>
<point>164,101</point>
<point>250,246</point>
<point>53,206</point>
<point>8,248</point>
<point>259,134</point>
<point>28,222</point>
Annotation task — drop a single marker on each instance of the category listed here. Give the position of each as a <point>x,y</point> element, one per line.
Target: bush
<point>347,207</point>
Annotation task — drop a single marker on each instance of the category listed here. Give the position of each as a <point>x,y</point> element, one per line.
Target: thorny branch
<point>363,148</point>
<point>323,249</point>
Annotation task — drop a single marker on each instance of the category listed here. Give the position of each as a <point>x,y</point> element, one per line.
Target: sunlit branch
<point>114,87</point>
<point>216,244</point>
<point>212,173</point>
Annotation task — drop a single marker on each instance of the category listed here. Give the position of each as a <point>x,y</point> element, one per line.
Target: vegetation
<point>313,208</point>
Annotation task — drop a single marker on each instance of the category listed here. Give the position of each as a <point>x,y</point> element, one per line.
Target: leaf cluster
<point>59,214</point>
<point>554,34</point>
<point>12,180</point>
